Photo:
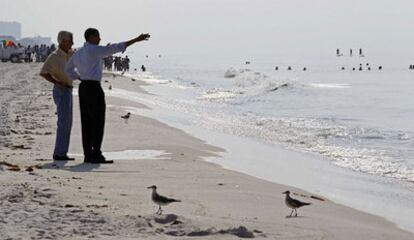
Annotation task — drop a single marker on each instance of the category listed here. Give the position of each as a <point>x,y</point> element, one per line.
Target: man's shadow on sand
<point>61,165</point>
<point>81,167</point>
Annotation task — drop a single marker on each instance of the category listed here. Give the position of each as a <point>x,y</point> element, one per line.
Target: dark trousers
<point>92,110</point>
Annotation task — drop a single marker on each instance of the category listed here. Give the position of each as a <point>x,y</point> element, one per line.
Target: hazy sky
<point>226,25</point>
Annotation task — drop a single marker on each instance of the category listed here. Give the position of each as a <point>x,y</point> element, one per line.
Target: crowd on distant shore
<point>38,53</point>
<point>116,63</point>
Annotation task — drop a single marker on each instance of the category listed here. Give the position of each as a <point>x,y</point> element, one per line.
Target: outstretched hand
<point>143,37</point>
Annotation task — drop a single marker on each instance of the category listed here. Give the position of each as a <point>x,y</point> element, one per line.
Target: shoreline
<point>87,201</point>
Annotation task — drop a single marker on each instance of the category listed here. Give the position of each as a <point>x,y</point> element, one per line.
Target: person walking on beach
<point>86,64</point>
<point>53,71</point>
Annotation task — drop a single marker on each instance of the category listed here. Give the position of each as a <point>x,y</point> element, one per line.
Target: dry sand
<point>41,199</point>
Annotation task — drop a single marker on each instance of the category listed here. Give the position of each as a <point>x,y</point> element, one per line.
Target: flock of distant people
<point>38,53</point>
<point>119,64</point>
<point>116,63</point>
<point>289,68</point>
<point>339,54</point>
<point>360,68</point>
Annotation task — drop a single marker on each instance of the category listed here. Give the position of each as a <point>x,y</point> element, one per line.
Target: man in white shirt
<point>86,64</point>
<point>53,71</point>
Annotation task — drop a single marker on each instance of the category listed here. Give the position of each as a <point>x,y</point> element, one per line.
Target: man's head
<point>92,36</point>
<point>65,40</point>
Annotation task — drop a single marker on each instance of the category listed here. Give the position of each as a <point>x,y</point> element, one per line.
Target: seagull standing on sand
<point>126,116</point>
<point>160,200</point>
<point>293,203</point>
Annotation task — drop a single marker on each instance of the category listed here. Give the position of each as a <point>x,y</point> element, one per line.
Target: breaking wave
<point>246,83</point>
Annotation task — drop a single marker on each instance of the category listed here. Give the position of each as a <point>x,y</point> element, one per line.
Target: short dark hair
<point>90,32</point>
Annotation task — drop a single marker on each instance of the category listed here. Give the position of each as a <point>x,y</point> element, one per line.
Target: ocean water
<point>359,120</point>
<point>344,134</point>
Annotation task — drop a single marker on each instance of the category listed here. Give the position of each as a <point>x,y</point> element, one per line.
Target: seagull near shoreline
<point>293,203</point>
<point>126,116</point>
<point>160,200</point>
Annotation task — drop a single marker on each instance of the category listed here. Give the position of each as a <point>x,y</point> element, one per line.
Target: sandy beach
<point>42,199</point>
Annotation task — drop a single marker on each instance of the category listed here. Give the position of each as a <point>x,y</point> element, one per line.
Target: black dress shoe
<point>99,160</point>
<point>93,161</point>
<point>62,158</point>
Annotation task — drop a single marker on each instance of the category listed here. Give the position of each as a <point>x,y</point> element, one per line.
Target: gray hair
<point>64,35</point>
